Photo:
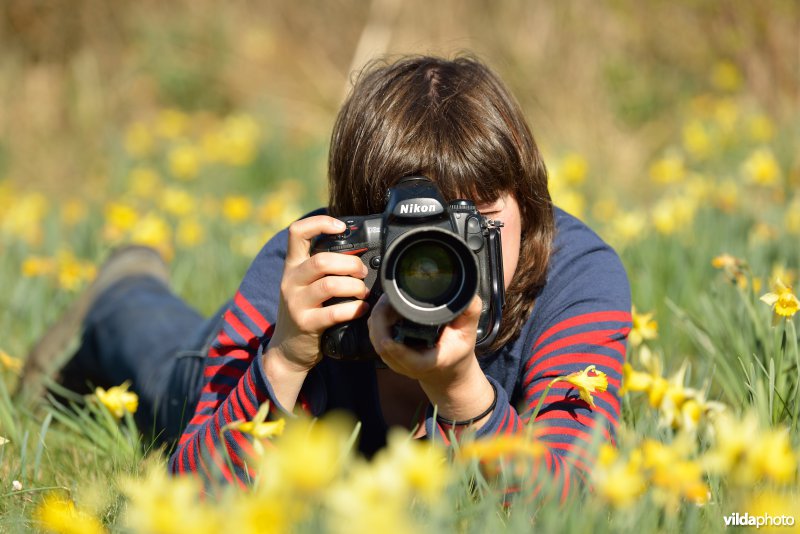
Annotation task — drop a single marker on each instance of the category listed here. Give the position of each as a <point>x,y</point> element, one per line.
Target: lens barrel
<point>429,275</point>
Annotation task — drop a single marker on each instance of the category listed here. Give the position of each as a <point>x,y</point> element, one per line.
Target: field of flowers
<point>710,236</point>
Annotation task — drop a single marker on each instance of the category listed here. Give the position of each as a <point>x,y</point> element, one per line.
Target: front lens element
<point>428,272</point>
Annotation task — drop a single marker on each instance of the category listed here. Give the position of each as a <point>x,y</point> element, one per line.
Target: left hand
<point>448,372</point>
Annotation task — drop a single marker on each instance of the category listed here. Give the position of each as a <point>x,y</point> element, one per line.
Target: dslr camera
<point>429,257</point>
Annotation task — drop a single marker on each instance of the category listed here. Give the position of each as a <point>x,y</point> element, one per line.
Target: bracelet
<point>467,422</point>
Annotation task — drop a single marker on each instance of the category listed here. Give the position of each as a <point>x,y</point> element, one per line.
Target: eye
<point>491,210</point>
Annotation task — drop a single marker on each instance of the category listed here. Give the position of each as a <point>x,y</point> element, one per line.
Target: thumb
<point>469,317</point>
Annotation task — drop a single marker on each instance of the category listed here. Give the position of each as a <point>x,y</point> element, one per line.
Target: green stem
<point>792,343</point>
<point>35,490</point>
<point>541,399</point>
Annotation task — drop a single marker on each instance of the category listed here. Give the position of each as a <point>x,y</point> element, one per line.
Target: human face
<point>506,210</point>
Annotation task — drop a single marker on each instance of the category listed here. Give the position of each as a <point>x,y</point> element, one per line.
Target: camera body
<point>429,257</point>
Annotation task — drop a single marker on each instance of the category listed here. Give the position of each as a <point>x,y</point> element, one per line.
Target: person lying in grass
<point>567,300</point>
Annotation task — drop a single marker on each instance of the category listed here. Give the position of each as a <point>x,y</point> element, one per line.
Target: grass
<point>683,462</point>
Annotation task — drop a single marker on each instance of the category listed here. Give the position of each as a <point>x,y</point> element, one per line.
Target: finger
<point>327,264</point>
<point>301,232</point>
<point>380,321</point>
<point>398,357</point>
<point>317,320</point>
<point>334,286</point>
<point>470,316</point>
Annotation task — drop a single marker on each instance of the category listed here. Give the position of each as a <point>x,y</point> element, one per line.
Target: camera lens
<point>428,272</point>
<point>429,275</point>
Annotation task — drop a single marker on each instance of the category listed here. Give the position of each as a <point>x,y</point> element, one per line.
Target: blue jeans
<point>139,331</point>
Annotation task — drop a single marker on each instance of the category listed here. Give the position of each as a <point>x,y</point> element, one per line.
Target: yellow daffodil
<point>38,266</point>
<point>773,457</point>
<point>154,231</point>
<point>776,504</point>
<point>118,399</point>
<point>422,465</point>
<point>169,505</point>
<point>372,498</point>
<point>171,123</point>
<point>746,453</point>
<point>633,380</point>
<point>587,383</point>
<point>727,262</point>
<point>674,475</point>
<point>696,139</point>
<point>783,301</point>
<point>672,214</point>
<point>569,200</point>
<point>308,456</point>
<point>59,514</point>
<point>176,201</point>
<point>184,161</point>
<point>761,128</point>
<point>726,195</point>
<point>726,114</point>
<point>237,208</point>
<point>10,363</point>
<point>627,227</point>
<point>761,167</point>
<point>144,182</point>
<point>23,217</point>
<point>73,272</point>
<point>574,168</point>
<point>501,446</point>
<point>73,211</point>
<point>239,140</point>
<point>650,381</point>
<point>643,328</point>
<point>254,513</point>
<point>259,427</point>
<point>726,76</point>
<point>189,233</point>
<point>620,481</point>
<point>668,170</point>
<point>263,429</point>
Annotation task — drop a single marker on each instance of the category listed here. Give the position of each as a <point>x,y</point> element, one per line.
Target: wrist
<point>462,398</point>
<point>285,377</point>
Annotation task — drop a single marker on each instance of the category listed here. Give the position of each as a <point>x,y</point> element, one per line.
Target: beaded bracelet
<point>467,422</point>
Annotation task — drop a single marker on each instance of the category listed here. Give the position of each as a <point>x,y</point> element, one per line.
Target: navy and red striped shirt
<point>581,318</point>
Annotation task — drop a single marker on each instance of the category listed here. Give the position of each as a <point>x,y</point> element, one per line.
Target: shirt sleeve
<point>234,382</point>
<point>581,318</point>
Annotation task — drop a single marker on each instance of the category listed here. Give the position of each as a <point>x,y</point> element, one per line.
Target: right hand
<point>307,282</point>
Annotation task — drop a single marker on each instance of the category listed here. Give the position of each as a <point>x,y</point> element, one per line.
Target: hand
<point>307,282</point>
<point>449,372</point>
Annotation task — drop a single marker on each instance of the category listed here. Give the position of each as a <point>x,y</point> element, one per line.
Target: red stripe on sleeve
<point>595,337</point>
<point>252,313</point>
<point>578,320</point>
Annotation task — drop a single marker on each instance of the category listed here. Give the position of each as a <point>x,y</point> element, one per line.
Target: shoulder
<point>582,263</point>
<point>585,276</point>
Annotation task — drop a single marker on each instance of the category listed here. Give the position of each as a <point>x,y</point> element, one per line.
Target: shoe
<point>43,361</point>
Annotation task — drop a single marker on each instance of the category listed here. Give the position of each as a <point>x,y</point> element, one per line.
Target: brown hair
<point>455,122</point>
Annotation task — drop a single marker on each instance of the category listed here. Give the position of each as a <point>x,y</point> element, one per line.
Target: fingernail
<point>339,225</point>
